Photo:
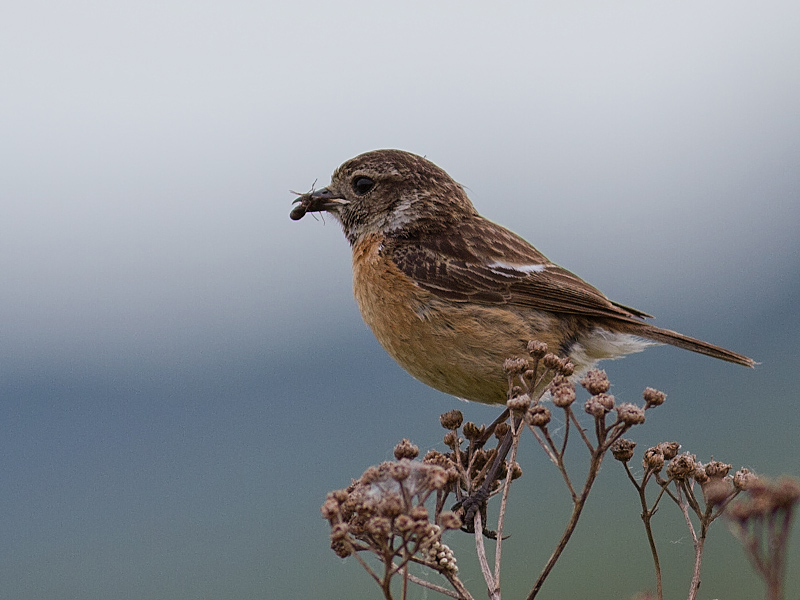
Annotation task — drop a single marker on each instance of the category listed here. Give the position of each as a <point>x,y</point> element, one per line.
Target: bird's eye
<point>362,185</point>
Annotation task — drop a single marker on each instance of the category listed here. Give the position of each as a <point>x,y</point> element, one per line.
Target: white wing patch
<point>502,268</point>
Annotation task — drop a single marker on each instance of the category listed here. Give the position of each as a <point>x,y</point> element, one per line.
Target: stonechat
<point>450,295</point>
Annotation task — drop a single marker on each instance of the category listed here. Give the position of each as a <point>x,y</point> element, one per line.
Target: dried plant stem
<point>594,468</point>
<point>698,542</point>
<point>459,587</point>
<point>550,454</point>
<point>557,456</point>
<point>368,569</point>
<point>480,549</point>
<point>580,430</point>
<point>772,563</point>
<point>503,503</point>
<point>386,582</point>
<point>461,592</point>
<point>779,526</point>
<point>647,516</point>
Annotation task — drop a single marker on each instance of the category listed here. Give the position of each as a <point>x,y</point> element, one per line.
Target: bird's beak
<point>316,201</point>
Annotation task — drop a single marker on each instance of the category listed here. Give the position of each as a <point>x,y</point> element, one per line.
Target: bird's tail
<point>673,338</point>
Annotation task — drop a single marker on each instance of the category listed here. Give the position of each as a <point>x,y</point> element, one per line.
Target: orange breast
<point>457,348</point>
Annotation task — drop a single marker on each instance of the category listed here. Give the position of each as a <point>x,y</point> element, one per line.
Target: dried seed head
<point>653,397</point>
<point>515,366</point>
<point>740,512</point>
<point>481,457</point>
<point>501,430</point>
<point>399,471</point>
<point>563,394</point>
<point>342,548</point>
<point>452,475</point>
<point>765,498</point>
<point>434,457</point>
<point>607,400</point>
<point>717,470</point>
<point>537,349</point>
<point>669,449</point>
<point>339,531</point>
<point>451,439</point>
<point>403,523</point>
<point>716,491</point>
<point>419,513</point>
<point>743,479</point>
<point>519,404</point>
<point>390,505</point>
<point>371,474</point>
<point>595,408</point>
<point>449,520</point>
<point>452,419</point>
<point>622,450</point>
<point>378,527</point>
<point>595,382</point>
<point>682,466</point>
<point>437,478</point>
<point>551,361</point>
<point>630,414</point>
<point>516,471</point>
<point>472,431</point>
<point>405,449</point>
<point>538,416</point>
<point>699,474</point>
<point>653,459</point>
<point>567,368</point>
<point>330,509</point>
<point>425,530</point>
<point>786,493</point>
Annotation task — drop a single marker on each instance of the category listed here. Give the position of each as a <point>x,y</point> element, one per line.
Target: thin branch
<point>480,549</point>
<point>559,456</point>
<point>386,583</point>
<point>697,542</point>
<point>367,568</point>
<point>586,441</point>
<point>647,516</point>
<point>459,594</point>
<point>503,503</point>
<point>594,468</point>
<point>544,446</point>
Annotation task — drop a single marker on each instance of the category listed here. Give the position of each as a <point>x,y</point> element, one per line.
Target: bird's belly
<point>456,347</point>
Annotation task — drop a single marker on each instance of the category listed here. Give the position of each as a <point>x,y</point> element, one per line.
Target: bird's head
<point>389,192</point>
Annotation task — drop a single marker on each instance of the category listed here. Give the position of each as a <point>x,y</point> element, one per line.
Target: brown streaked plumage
<point>450,295</point>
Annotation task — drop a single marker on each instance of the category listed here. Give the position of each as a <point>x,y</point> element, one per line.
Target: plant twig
<point>647,516</point>
<point>594,468</point>
<point>503,503</point>
<point>480,548</point>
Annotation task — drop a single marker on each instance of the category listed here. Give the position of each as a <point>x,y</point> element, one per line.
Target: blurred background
<point>184,374</point>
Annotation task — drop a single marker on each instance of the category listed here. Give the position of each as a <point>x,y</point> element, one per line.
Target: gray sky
<point>148,150</point>
<point>150,147</point>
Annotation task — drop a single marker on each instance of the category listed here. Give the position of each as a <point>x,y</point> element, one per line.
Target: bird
<point>450,295</point>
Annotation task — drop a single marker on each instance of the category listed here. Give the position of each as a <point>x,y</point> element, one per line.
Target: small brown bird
<point>450,295</point>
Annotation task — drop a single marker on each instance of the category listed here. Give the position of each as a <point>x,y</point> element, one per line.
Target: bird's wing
<point>480,261</point>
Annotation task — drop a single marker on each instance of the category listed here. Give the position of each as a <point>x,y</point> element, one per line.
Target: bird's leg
<point>477,501</point>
